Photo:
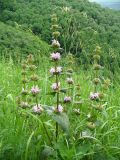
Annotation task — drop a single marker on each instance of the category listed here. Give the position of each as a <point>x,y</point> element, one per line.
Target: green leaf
<point>63,121</point>
<point>46,153</point>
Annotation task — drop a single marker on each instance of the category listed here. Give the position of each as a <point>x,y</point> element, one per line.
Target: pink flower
<point>94,96</point>
<point>55,43</point>
<point>55,86</point>
<point>70,81</point>
<point>60,109</point>
<point>55,56</point>
<point>57,70</point>
<point>35,90</point>
<point>37,109</point>
<point>67,99</point>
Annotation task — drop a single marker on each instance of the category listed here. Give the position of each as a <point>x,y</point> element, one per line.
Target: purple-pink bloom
<point>35,90</point>
<point>94,96</point>
<point>56,70</point>
<point>67,99</point>
<point>60,108</point>
<point>55,56</point>
<point>55,86</point>
<point>37,109</point>
<point>70,81</point>
<point>55,43</point>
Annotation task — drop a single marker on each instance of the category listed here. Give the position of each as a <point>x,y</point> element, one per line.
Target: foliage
<point>16,43</point>
<point>83,25</point>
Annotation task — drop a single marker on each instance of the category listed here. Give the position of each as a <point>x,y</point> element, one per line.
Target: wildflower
<point>56,34</point>
<point>70,81</point>
<point>56,70</point>
<point>94,96</point>
<point>67,99</point>
<point>55,44</point>
<point>60,109</point>
<point>55,56</point>
<point>55,86</point>
<point>37,109</point>
<point>35,90</point>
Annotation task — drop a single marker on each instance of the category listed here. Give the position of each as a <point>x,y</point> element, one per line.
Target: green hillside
<point>84,25</point>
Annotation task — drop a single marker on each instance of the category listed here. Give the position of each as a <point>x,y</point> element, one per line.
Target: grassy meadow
<point>22,135</point>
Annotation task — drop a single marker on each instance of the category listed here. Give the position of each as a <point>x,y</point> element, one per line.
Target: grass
<point>22,135</point>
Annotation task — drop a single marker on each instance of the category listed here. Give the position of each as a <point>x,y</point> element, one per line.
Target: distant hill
<point>16,42</point>
<point>83,25</point>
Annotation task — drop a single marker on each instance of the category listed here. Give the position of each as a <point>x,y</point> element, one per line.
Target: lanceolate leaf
<point>63,121</point>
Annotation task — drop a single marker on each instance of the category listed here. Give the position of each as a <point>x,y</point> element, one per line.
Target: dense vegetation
<point>84,25</point>
<point>55,105</point>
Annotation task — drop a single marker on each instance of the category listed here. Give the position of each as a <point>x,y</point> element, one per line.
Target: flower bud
<point>55,86</point>
<point>55,44</point>
<point>55,71</point>
<point>35,90</point>
<point>59,109</point>
<point>37,109</point>
<point>56,34</point>
<point>70,81</point>
<point>55,26</point>
<point>94,96</point>
<point>55,56</point>
<point>24,104</point>
<point>96,57</point>
<point>67,99</point>
<point>24,91</point>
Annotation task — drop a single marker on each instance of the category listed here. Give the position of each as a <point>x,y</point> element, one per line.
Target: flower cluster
<point>96,95</point>
<point>55,57</point>
<point>30,78</point>
<point>56,70</point>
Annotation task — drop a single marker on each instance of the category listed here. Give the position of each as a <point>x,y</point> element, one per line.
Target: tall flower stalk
<point>56,69</point>
<point>96,95</point>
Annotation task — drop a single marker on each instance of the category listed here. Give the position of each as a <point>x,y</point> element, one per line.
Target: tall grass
<point>22,135</point>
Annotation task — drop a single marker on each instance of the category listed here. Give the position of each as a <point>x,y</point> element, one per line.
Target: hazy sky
<point>104,0</point>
